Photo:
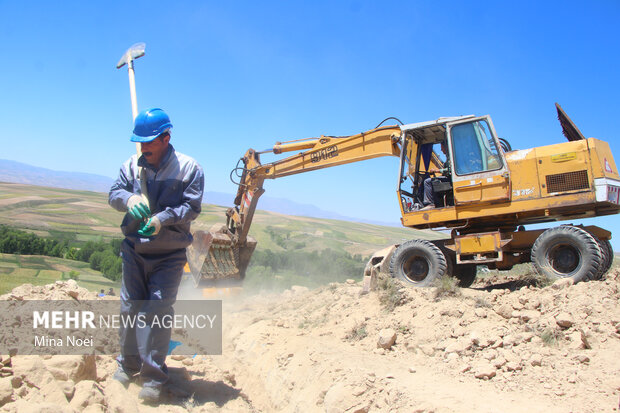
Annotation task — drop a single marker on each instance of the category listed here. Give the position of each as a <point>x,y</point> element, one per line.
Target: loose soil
<point>482,349</point>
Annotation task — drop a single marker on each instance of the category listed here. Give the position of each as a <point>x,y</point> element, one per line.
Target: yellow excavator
<point>487,194</point>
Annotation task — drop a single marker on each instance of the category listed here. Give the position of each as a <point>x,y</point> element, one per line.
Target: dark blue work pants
<point>429,194</point>
<point>152,281</point>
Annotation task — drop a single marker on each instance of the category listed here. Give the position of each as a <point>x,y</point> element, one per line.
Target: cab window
<point>474,148</point>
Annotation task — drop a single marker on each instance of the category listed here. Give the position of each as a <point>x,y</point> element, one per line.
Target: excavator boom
<point>223,253</point>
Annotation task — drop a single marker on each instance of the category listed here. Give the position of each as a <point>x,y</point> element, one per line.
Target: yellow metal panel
<point>523,174</point>
<point>529,206</point>
<point>478,243</point>
<point>524,239</point>
<point>564,158</point>
<point>545,152</point>
<point>446,214</point>
<point>603,164</point>
<point>481,188</point>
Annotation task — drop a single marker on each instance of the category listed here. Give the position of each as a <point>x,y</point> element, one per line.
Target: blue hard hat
<point>149,124</point>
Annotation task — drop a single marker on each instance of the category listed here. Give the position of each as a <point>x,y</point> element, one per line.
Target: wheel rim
<point>416,268</point>
<point>565,259</point>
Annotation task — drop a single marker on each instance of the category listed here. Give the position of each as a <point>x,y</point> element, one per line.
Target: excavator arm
<point>224,253</point>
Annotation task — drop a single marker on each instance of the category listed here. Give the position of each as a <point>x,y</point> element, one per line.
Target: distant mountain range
<point>21,173</point>
<point>17,172</point>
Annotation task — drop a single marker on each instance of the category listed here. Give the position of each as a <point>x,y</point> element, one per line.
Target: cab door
<point>479,171</point>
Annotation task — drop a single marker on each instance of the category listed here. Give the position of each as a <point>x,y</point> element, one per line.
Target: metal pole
<point>134,99</point>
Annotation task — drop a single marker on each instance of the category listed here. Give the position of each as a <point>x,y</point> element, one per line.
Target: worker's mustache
<point>147,153</point>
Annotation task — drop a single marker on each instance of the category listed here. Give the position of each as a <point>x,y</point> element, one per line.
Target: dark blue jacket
<point>175,196</point>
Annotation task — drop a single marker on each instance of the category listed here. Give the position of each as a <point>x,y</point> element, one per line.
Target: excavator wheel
<point>418,263</point>
<point>567,252</point>
<point>608,257</point>
<point>465,273</point>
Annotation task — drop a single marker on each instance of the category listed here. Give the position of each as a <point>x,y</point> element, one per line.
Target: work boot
<point>149,394</point>
<point>122,376</point>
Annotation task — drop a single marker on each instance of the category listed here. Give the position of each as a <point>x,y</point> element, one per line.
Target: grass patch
<point>10,260</point>
<point>25,272</point>
<point>41,270</point>
<point>481,302</point>
<point>51,275</point>
<point>62,235</point>
<point>446,286</point>
<point>551,337</point>
<point>308,322</point>
<point>33,261</point>
<point>88,237</point>
<point>73,275</point>
<point>538,280</point>
<point>528,274</point>
<point>357,333</point>
<point>390,295</point>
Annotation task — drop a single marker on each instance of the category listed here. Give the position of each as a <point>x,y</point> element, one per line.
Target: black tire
<point>465,273</point>
<point>609,248</point>
<point>418,263</point>
<point>608,257</point>
<point>567,252</point>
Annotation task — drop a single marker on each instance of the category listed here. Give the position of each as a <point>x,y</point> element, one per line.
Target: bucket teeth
<point>213,257</point>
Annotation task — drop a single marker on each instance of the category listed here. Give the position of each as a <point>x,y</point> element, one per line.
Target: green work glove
<point>151,228</point>
<point>137,208</point>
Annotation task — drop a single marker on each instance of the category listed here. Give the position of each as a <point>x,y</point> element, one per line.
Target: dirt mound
<point>535,349</point>
<point>60,290</point>
<point>551,349</point>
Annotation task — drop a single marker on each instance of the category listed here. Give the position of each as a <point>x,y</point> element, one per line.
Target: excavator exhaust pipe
<point>215,262</point>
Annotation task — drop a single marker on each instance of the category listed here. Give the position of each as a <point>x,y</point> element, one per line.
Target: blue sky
<point>240,74</point>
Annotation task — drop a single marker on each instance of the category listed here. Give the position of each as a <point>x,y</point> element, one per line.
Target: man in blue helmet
<point>153,252</point>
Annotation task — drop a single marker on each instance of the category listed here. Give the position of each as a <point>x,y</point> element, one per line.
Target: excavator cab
<point>420,154</point>
<point>472,163</point>
<point>481,175</point>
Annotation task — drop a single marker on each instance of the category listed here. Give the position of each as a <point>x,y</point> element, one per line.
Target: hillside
<point>84,215</point>
<point>81,216</point>
<point>16,270</point>
<point>21,173</point>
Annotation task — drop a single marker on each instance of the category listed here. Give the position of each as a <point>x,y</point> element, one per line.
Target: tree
<point>95,260</point>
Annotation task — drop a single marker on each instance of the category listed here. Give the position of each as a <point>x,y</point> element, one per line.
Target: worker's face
<point>155,150</point>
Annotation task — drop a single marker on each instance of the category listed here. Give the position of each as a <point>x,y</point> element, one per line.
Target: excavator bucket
<point>215,261</point>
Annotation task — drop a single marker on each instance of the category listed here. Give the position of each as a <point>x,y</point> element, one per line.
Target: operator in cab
<point>443,174</point>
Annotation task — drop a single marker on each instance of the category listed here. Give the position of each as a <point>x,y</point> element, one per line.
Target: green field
<point>16,270</point>
<point>81,216</point>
